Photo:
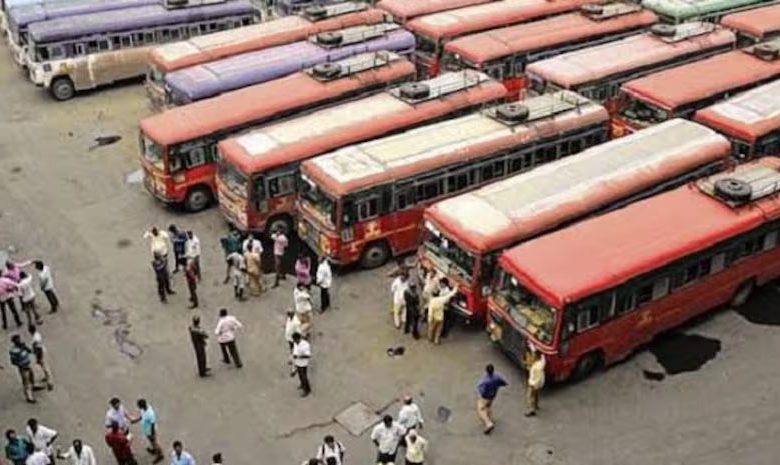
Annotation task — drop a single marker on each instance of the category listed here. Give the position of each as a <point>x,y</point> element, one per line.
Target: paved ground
<point>72,206</point>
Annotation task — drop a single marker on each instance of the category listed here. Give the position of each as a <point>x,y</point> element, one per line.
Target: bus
<point>7,5</point>
<point>750,120</point>
<point>21,17</point>
<point>203,49</point>
<point>405,10</point>
<point>293,7</point>
<point>680,11</point>
<point>590,294</point>
<point>504,53</point>
<point>364,203</point>
<point>81,52</point>
<point>213,78</point>
<point>598,72</point>
<point>679,92</point>
<point>257,181</point>
<point>466,234</point>
<point>179,146</point>
<point>435,30</point>
<point>754,26</point>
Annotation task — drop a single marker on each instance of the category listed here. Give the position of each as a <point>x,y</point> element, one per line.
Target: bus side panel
<point>407,230</point>
<point>119,65</point>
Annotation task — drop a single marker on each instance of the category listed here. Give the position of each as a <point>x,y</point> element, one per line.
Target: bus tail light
<point>347,234</point>
<point>179,178</point>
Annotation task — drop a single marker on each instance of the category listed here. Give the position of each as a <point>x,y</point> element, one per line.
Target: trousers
<point>230,350</point>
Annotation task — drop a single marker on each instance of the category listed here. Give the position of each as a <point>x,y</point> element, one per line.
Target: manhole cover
<point>357,418</point>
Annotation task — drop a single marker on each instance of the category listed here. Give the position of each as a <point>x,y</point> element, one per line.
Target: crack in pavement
<point>322,424</point>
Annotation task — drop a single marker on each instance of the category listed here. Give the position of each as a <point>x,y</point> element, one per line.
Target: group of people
<point>412,306</point>
<point>186,252</point>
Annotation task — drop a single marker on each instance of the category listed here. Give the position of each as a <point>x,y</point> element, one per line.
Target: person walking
<point>410,415</point>
<point>387,436</point>
<point>191,275</point>
<point>41,356</point>
<point>227,326</point>
<point>46,282</point>
<point>412,306</point>
<point>21,358</point>
<point>148,419</point>
<point>324,282</point>
<point>78,454</point>
<point>8,290</point>
<point>430,285</point>
<point>416,446</point>
<point>179,456</point>
<point>179,241</point>
<point>303,269</point>
<point>436,308</point>
<point>120,443</point>
<point>160,267</point>
<point>38,458</point>
<point>487,388</point>
<point>536,381</point>
<point>253,243</point>
<point>397,290</point>
<point>116,413</point>
<point>331,452</point>
<point>301,355</point>
<point>236,274</point>
<point>292,325</point>
<point>42,438</point>
<point>193,251</point>
<point>27,296</point>
<point>254,268</point>
<point>199,338</point>
<point>158,243</point>
<point>280,246</point>
<point>303,304</point>
<point>17,448</point>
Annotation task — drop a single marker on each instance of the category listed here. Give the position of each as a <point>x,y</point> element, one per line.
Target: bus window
<point>428,189</point>
<point>625,302</point>
<point>194,31</point>
<point>126,42</point>
<point>660,288</point>
<point>103,45</point>
<point>587,317</point>
<point>258,188</point>
<point>460,180</point>
<point>138,39</point>
<point>404,197</point>
<point>770,240</point>
<point>149,37</point>
<point>175,34</point>
<point>281,185</point>
<point>56,52</point>
<point>494,169</point>
<point>195,157</point>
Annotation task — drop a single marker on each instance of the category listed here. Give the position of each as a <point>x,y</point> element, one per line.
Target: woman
<point>303,269</point>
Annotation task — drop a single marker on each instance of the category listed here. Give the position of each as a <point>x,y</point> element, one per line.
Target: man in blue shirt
<point>148,420</point>
<point>488,388</point>
<point>181,456</point>
<point>18,448</point>
<point>20,355</point>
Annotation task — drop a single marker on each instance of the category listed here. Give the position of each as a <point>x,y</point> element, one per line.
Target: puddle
<point>680,353</point>
<point>101,141</point>
<point>443,414</point>
<point>762,308</point>
<point>16,169</point>
<point>117,317</point>
<point>123,243</point>
<point>136,177</point>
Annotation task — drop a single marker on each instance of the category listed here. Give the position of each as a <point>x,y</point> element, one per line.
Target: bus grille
<point>512,340</point>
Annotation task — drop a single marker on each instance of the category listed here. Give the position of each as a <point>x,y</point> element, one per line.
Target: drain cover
<point>357,418</point>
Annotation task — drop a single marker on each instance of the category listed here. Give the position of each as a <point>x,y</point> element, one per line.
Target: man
<point>199,338</point>
<point>301,355</point>
<point>436,308</point>
<point>47,285</point>
<point>236,270</point>
<point>280,246</point>
<point>17,449</point>
<point>488,388</point>
<point>42,438</point>
<point>160,267</point>
<point>410,416</point>
<point>179,241</point>
<point>41,356</point>
<point>78,454</point>
<point>386,436</point>
<point>331,452</point>
<point>191,275</point>
<point>116,413</point>
<point>158,243</point>
<point>252,242</point>
<point>416,446</point>
<point>412,305</point>
<point>324,281</point>
<point>179,456</point>
<point>8,290</point>
<point>254,268</point>
<point>119,443</point>
<point>193,251</point>
<point>38,458</point>
<point>28,298</point>
<point>21,358</point>
<point>148,419</point>
<point>397,291</point>
<point>227,326</point>
<point>303,303</point>
<point>535,382</point>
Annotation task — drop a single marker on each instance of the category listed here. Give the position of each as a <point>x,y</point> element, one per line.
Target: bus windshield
<point>426,45</point>
<point>155,75</point>
<point>527,310</point>
<point>322,204</point>
<point>153,152</point>
<point>456,258</point>
<point>643,112</point>
<point>235,181</point>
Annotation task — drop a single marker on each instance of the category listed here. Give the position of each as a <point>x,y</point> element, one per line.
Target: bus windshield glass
<point>456,259</point>
<point>235,181</point>
<point>527,310</point>
<point>322,204</point>
<point>426,45</point>
<point>643,112</point>
<point>153,152</point>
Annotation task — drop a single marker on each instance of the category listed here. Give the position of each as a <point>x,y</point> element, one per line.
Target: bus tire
<point>62,89</point>
<point>375,255</point>
<point>198,198</point>
<point>587,364</point>
<point>279,221</point>
<point>743,293</point>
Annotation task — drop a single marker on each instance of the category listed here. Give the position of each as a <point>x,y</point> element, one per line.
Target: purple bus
<point>85,51</point>
<point>210,79</point>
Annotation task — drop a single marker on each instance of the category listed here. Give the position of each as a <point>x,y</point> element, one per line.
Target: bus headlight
<point>179,178</point>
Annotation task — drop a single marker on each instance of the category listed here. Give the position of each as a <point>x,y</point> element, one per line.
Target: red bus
<point>754,26</point>
<point>285,30</point>
<point>258,175</point>
<point>466,234</point>
<point>178,146</point>
<point>365,203</point>
<point>751,121</point>
<point>435,30</point>
<point>404,10</point>
<point>679,92</point>
<point>598,72</point>
<point>504,53</point>
<point>590,294</point>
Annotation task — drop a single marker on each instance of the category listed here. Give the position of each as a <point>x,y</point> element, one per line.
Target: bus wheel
<point>197,199</point>
<point>587,364</point>
<point>743,293</point>
<point>62,89</point>
<point>281,221</point>
<point>375,255</point>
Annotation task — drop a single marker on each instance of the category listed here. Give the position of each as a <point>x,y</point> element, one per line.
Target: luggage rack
<point>353,35</point>
<point>438,87</point>
<point>600,12</point>
<point>743,185</point>
<point>536,108</point>
<point>323,12</point>
<point>349,66</point>
<point>677,33</point>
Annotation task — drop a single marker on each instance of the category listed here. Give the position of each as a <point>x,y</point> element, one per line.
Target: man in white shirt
<point>192,248</point>
<point>324,281</point>
<point>253,241</point>
<point>536,380</point>
<point>116,413</point>
<point>410,415</point>
<point>47,285</point>
<point>41,355</point>
<point>397,290</point>
<point>27,296</point>
<point>331,452</point>
<point>301,354</point>
<point>78,454</point>
<point>38,458</point>
<point>227,326</point>
<point>41,437</point>
<point>292,325</point>
<point>158,242</point>
<point>236,272</point>
<point>386,436</point>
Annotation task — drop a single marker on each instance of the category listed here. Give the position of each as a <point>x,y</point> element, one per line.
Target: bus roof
<point>202,49</point>
<point>747,116</point>
<point>598,62</point>
<point>693,82</point>
<point>277,97</point>
<point>24,15</point>
<point>216,77</point>
<point>449,24</point>
<point>130,18</point>
<point>758,23</point>
<point>523,38</point>
<point>408,9</point>
<point>438,145</point>
<point>356,121</point>
<point>600,253</point>
<point>692,9</point>
<point>529,204</point>
<point>9,4</point>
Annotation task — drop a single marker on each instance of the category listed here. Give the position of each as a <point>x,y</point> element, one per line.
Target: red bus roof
<point>408,9</point>
<point>758,23</point>
<point>546,33</point>
<point>747,116</point>
<point>606,251</point>
<point>438,145</point>
<point>263,101</point>
<point>285,30</point>
<point>635,52</point>
<point>356,121</point>
<point>524,206</point>
<point>449,24</point>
